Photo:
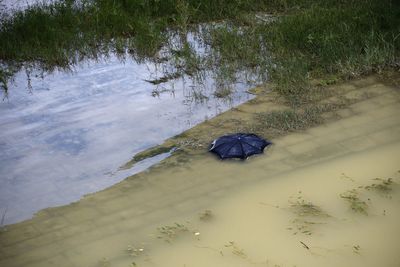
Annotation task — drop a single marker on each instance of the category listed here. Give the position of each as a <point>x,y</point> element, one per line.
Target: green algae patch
<point>152,152</point>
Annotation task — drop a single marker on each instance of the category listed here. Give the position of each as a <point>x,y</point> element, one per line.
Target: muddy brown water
<point>266,225</point>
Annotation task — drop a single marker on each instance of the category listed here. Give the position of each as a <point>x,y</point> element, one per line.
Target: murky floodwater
<point>328,196</point>
<point>302,218</point>
<point>69,133</point>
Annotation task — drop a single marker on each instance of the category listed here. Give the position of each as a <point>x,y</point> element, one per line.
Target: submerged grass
<point>288,120</point>
<point>294,119</point>
<point>63,33</point>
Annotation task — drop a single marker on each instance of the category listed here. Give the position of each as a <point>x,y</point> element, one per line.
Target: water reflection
<point>68,135</point>
<point>11,5</point>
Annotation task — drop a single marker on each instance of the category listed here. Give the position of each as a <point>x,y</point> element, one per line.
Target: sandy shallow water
<point>266,225</point>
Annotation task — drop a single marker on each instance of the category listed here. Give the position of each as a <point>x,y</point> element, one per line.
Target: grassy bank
<point>328,40</point>
<point>344,41</point>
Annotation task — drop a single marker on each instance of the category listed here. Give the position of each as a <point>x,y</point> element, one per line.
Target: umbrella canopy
<point>238,145</point>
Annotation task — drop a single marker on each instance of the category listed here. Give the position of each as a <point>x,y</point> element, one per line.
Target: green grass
<point>347,40</point>
<point>306,40</point>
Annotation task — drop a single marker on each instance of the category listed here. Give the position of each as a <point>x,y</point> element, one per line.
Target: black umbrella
<point>238,145</point>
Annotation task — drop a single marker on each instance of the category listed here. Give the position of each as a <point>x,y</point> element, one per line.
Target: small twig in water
<point>307,247</point>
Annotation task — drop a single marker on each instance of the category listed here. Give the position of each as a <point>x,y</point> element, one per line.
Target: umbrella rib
<point>214,147</point>
<point>250,144</point>
<point>241,146</point>
<point>222,143</point>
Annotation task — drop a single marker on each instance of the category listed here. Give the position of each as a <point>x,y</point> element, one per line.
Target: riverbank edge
<point>324,102</point>
<point>193,143</point>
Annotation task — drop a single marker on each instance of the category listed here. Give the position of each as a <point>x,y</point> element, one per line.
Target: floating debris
<point>304,245</point>
<point>134,252</point>
<point>356,249</point>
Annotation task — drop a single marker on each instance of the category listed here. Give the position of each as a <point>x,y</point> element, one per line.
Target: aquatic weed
<point>384,186</point>
<point>303,208</point>
<point>308,215</point>
<point>169,232</point>
<point>223,92</point>
<point>356,204</point>
<point>198,96</point>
